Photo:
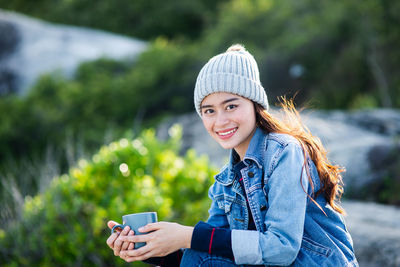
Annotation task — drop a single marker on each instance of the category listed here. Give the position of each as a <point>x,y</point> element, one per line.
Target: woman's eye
<point>208,111</point>
<point>231,107</point>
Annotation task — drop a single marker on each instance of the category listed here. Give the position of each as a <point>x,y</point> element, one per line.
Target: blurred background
<point>91,94</point>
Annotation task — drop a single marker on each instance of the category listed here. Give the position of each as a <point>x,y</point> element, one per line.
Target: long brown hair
<point>291,123</point>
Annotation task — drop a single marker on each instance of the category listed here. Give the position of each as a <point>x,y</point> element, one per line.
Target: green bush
<point>104,100</point>
<point>66,225</point>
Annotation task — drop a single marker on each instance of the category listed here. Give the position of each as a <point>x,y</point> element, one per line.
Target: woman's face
<point>229,119</point>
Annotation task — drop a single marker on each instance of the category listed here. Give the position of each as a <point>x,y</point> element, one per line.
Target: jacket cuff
<point>246,247</point>
<point>213,240</point>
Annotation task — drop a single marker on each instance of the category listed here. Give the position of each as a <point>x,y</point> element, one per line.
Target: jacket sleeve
<point>284,220</point>
<point>217,216</point>
<point>213,240</point>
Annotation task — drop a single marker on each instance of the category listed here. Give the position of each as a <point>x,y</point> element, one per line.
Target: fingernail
<point>130,232</point>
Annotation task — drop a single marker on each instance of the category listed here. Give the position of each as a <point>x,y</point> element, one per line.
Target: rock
<point>375,229</point>
<point>9,39</point>
<point>382,121</point>
<point>30,47</point>
<point>347,144</point>
<point>8,44</point>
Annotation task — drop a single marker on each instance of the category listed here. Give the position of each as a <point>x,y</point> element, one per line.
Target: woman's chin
<point>225,145</point>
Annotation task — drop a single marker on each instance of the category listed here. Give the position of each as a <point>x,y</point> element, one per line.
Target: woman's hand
<point>116,243</point>
<point>164,239</point>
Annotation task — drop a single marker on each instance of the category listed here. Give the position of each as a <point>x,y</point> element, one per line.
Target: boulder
<point>30,47</point>
<point>375,229</point>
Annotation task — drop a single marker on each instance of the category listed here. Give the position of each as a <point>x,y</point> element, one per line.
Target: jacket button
<point>250,174</point>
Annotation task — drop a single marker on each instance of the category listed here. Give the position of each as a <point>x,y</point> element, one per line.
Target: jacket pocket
<point>313,247</point>
<point>224,204</point>
<point>234,211</point>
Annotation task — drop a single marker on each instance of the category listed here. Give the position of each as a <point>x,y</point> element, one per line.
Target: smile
<point>227,133</point>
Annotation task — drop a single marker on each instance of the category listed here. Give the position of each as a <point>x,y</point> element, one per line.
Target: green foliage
<point>345,49</point>
<point>146,19</point>
<point>66,225</point>
<point>364,102</point>
<point>105,98</point>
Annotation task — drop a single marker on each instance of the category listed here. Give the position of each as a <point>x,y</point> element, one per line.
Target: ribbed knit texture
<point>233,72</point>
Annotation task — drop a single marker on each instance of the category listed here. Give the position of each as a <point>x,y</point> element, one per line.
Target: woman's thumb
<point>111,224</point>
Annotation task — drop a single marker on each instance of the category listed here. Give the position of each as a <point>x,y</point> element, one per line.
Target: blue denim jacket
<point>291,229</point>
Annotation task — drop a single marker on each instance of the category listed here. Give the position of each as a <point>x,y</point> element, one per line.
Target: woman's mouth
<point>225,134</point>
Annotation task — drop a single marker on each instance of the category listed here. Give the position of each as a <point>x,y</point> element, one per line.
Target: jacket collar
<point>256,149</point>
<point>254,154</point>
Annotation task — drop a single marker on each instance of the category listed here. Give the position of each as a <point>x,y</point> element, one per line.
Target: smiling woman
<point>274,203</point>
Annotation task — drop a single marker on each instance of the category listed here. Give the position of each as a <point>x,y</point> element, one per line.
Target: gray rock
<point>375,230</point>
<point>9,38</point>
<point>33,47</point>
<point>382,121</point>
<point>347,144</point>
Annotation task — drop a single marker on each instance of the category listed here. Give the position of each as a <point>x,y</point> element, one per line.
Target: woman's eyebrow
<point>229,100</point>
<point>223,102</point>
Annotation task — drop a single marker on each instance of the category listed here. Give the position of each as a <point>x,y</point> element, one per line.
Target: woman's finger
<point>136,238</point>
<point>150,227</point>
<point>131,245</point>
<point>119,241</point>
<point>139,258</point>
<point>136,252</point>
<point>126,243</point>
<point>111,239</point>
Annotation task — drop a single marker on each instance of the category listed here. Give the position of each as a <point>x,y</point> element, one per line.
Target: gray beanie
<point>234,71</point>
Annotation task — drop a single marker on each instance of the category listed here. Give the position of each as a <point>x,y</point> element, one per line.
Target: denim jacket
<point>291,229</point>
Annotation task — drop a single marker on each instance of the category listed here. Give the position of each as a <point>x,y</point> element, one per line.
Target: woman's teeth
<point>226,133</point>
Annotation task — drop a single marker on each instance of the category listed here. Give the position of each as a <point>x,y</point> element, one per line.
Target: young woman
<point>274,203</point>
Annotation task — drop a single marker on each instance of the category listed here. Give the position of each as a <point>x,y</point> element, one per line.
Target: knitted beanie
<point>234,71</point>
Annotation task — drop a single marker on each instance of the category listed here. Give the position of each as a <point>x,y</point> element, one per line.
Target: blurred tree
<point>341,50</point>
<point>145,19</point>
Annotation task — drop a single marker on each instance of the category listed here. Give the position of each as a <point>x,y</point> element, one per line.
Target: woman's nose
<point>222,119</point>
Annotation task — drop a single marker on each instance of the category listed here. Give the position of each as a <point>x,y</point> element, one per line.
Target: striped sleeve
<point>213,240</point>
